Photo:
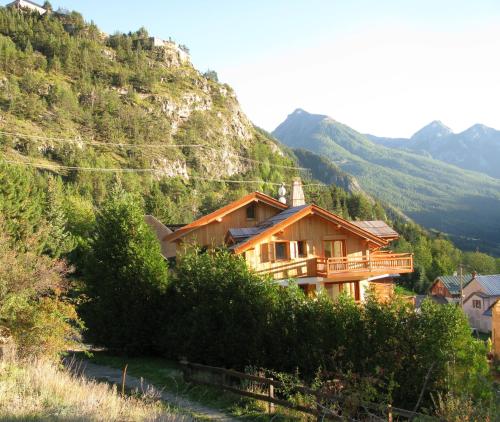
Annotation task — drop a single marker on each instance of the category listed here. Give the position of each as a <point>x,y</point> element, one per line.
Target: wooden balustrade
<point>376,263</point>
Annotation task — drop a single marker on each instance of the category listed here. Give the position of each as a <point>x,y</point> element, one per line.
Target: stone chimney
<point>297,195</point>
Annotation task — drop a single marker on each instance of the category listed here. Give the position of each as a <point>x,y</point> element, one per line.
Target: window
<point>334,248</point>
<point>476,304</point>
<point>281,251</point>
<point>251,211</point>
<point>302,249</point>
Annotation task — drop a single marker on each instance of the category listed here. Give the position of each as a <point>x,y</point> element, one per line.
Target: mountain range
<point>464,204</point>
<point>477,148</point>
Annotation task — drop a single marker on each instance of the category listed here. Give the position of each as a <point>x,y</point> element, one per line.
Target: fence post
<point>319,410</point>
<point>124,378</point>
<point>271,395</point>
<point>389,413</point>
<point>185,370</point>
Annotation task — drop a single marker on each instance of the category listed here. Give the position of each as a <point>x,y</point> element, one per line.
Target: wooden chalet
<point>304,242</point>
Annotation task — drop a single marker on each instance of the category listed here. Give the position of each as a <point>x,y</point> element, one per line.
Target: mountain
<point>477,148</point>
<point>439,196</point>
<point>326,171</point>
<point>73,96</point>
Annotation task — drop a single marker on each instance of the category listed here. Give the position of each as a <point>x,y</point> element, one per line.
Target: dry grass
<point>40,391</point>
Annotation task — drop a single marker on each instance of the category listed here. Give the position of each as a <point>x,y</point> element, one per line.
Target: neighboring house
<point>448,286</point>
<point>480,294</point>
<point>495,327</point>
<point>303,242</point>
<point>27,5</point>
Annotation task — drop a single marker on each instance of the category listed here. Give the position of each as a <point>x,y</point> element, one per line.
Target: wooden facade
<point>317,248</point>
<point>495,328</point>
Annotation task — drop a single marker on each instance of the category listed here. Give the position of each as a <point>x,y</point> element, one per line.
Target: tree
<point>47,6</point>
<point>125,276</point>
<point>59,240</point>
<point>480,262</point>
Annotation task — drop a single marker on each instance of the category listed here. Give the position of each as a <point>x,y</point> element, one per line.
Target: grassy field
<point>167,375</point>
<point>42,391</point>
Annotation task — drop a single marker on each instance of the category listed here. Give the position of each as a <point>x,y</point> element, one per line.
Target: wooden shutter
<point>294,250</point>
<point>272,252</point>
<point>310,248</point>
<point>264,252</point>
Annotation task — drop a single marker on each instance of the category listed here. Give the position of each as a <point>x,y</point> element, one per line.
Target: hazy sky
<point>385,67</point>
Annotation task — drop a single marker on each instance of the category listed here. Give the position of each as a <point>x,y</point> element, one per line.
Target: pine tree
<point>59,240</point>
<point>126,275</point>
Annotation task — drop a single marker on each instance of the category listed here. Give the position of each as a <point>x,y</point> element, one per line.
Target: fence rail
<point>222,381</point>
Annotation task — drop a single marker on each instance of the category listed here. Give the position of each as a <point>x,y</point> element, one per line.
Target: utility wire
<point>130,170</point>
<point>127,145</point>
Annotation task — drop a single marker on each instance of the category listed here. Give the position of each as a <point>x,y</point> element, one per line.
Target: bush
<point>219,313</point>
<point>32,306</point>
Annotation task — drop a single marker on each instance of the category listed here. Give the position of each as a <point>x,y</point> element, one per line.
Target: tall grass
<point>40,390</point>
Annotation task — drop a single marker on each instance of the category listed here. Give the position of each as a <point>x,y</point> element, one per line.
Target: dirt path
<point>114,376</point>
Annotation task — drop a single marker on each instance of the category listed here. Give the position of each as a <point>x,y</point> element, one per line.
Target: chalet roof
<point>452,282</point>
<point>243,235</point>
<point>221,212</point>
<point>378,228</point>
<point>490,284</point>
<point>293,214</point>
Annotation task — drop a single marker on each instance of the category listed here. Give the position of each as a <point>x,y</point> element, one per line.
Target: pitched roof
<point>221,212</point>
<point>452,282</point>
<point>490,284</point>
<point>243,235</point>
<point>378,228</point>
<point>293,214</point>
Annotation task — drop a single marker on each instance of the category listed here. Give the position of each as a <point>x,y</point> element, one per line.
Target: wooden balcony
<point>377,263</point>
<point>342,269</point>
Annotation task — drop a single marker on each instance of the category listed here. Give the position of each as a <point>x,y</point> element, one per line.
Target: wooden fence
<point>224,377</point>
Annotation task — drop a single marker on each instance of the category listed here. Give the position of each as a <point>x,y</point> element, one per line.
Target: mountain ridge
<point>438,195</point>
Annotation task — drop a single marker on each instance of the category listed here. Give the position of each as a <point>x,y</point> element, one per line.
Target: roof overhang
<point>221,212</point>
<point>307,211</point>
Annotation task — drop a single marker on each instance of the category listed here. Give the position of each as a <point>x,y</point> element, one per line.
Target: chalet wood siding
<point>314,231</point>
<point>495,329</point>
<point>383,289</point>
<point>439,289</point>
<point>214,233</point>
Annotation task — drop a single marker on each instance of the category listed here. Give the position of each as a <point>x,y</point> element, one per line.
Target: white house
<point>29,5</point>
<point>480,294</point>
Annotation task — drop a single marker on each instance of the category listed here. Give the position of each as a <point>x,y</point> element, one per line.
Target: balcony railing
<point>377,263</point>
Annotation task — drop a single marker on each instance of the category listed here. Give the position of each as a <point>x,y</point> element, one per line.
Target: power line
<point>130,170</point>
<point>128,145</point>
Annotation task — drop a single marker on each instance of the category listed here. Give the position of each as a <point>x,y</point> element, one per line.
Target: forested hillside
<point>439,196</point>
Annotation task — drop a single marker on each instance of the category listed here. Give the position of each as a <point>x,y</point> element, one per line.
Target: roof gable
<point>221,212</point>
<point>490,284</point>
<point>452,282</point>
<point>294,214</point>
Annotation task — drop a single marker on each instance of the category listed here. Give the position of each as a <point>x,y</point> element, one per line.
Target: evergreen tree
<point>125,275</point>
<point>59,240</point>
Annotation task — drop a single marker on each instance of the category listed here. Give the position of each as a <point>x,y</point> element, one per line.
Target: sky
<point>385,67</point>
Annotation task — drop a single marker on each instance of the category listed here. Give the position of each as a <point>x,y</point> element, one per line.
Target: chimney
<point>297,195</point>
